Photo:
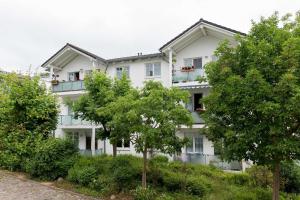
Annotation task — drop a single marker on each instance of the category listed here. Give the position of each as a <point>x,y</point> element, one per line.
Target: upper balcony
<point>67,86</point>
<point>187,76</point>
<point>69,120</point>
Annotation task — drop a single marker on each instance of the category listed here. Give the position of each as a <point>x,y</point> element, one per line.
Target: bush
<point>260,176</point>
<point>174,181</point>
<point>159,159</point>
<point>52,159</point>
<point>144,194</point>
<point>103,183</point>
<point>239,179</point>
<point>82,176</point>
<point>165,197</point>
<point>290,173</point>
<point>125,172</point>
<point>196,186</point>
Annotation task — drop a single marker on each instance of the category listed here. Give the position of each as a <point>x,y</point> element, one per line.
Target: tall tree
<point>28,112</point>
<point>92,106</point>
<point>254,103</point>
<point>151,117</point>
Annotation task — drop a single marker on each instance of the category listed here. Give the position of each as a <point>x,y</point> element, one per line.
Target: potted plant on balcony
<point>200,110</point>
<point>54,82</point>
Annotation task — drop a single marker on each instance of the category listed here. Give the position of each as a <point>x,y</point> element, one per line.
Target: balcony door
<point>73,76</point>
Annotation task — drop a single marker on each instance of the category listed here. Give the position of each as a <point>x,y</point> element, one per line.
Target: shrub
<point>125,172</point>
<point>103,183</point>
<point>290,173</point>
<point>174,181</point>
<point>165,197</point>
<point>52,159</point>
<point>82,176</point>
<point>159,159</point>
<point>239,178</point>
<point>260,176</point>
<point>196,186</point>
<point>144,194</point>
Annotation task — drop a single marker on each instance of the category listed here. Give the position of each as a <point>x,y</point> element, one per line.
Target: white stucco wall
<point>137,71</point>
<point>203,47</point>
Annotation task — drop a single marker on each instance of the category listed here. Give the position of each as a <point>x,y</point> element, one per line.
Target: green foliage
<point>52,159</point>
<point>124,173</point>
<point>260,175</point>
<point>28,114</point>
<point>239,178</point>
<point>165,197</point>
<point>83,176</point>
<point>260,75</point>
<point>144,194</point>
<point>155,113</point>
<point>290,172</point>
<point>94,106</point>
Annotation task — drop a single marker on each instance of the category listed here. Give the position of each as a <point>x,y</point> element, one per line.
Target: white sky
<point>33,30</point>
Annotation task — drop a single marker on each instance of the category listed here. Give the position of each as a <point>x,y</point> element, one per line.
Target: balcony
<point>68,86</point>
<point>195,115</point>
<point>69,120</point>
<point>183,76</point>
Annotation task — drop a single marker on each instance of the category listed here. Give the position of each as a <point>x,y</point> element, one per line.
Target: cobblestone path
<point>15,188</point>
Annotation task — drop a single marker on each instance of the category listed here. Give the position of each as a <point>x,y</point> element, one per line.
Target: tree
<point>93,106</point>
<point>28,113</point>
<point>151,117</point>
<point>254,103</point>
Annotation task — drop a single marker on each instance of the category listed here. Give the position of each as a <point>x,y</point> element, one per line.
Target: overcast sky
<point>33,30</point>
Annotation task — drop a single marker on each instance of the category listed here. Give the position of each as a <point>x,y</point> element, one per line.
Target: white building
<point>178,63</point>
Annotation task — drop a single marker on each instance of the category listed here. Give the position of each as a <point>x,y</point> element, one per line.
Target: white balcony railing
<point>68,86</point>
<point>180,76</point>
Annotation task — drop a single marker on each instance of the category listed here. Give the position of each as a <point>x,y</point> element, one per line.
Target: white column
<point>93,140</point>
<point>170,66</point>
<point>51,72</point>
<point>93,64</point>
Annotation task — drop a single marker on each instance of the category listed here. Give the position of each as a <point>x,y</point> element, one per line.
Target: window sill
<point>152,77</point>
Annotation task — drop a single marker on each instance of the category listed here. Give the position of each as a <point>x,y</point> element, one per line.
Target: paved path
<point>13,187</point>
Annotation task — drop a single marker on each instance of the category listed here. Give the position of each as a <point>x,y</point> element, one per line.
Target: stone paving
<point>13,187</point>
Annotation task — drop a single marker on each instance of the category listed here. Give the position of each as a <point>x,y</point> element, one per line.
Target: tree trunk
<point>144,178</point>
<point>276,181</point>
<point>114,150</point>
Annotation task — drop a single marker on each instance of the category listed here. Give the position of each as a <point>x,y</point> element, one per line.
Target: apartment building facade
<point>179,63</point>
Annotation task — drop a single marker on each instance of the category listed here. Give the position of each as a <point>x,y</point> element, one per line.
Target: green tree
<point>93,106</point>
<point>28,112</point>
<point>151,117</point>
<point>254,103</point>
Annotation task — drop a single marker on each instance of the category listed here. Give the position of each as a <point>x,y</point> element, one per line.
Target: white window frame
<point>153,69</point>
<point>123,69</point>
<point>193,58</point>
<point>193,137</point>
<point>123,145</point>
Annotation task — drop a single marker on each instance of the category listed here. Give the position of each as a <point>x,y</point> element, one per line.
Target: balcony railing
<point>187,76</point>
<point>68,86</point>
<point>195,115</point>
<point>68,120</point>
<point>209,160</point>
<point>88,152</point>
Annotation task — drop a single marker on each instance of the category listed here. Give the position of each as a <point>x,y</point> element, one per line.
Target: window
<point>73,76</point>
<point>123,143</point>
<point>214,58</point>
<point>196,145</point>
<point>197,101</point>
<point>153,69</point>
<point>196,62</point>
<point>121,70</point>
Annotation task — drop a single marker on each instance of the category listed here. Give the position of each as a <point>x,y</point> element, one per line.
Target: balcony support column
<point>170,66</point>
<point>93,140</point>
<point>51,73</point>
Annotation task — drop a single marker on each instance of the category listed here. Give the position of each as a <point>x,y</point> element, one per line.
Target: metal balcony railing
<point>68,120</point>
<point>68,86</point>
